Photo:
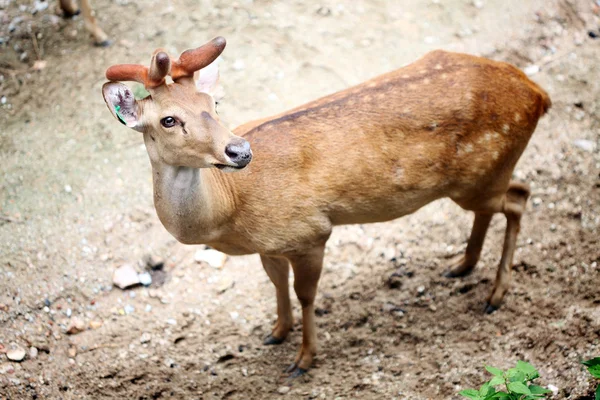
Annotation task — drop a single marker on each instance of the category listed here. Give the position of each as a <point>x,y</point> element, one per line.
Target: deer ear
<point>121,103</point>
<point>208,81</point>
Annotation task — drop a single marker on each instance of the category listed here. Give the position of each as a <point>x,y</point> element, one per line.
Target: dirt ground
<point>76,203</point>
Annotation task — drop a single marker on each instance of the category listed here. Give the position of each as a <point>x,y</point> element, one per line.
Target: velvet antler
<point>191,61</point>
<point>161,65</point>
<point>152,77</point>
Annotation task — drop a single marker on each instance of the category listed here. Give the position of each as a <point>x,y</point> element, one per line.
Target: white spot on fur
<point>427,81</point>
<point>495,155</point>
<point>405,76</point>
<point>399,173</point>
<point>444,76</point>
<point>517,117</point>
<point>505,128</point>
<point>423,71</point>
<point>438,66</point>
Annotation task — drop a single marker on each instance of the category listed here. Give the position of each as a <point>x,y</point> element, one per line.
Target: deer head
<point>179,119</point>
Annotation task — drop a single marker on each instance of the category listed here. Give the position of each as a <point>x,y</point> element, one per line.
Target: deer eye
<point>168,122</point>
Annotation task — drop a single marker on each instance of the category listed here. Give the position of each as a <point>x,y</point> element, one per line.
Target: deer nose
<point>239,153</point>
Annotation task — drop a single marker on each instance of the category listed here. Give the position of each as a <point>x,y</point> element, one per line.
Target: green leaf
<point>598,393</point>
<point>497,380</point>
<point>595,371</point>
<point>494,371</point>
<point>592,362</point>
<point>528,369</point>
<point>593,366</point>
<point>515,375</point>
<point>518,387</point>
<point>486,390</point>
<point>501,395</point>
<point>470,394</point>
<point>535,389</point>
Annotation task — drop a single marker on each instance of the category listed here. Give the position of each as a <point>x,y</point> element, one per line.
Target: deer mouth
<point>224,167</point>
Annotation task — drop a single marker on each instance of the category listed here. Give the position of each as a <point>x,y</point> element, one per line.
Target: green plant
<point>516,381</point>
<point>593,366</point>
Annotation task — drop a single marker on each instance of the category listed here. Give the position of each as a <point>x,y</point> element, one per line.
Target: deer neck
<point>193,204</point>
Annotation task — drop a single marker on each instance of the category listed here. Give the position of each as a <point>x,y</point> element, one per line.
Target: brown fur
<point>448,125</point>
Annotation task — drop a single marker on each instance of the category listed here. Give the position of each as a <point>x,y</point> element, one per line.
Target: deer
<point>70,9</point>
<point>448,125</point>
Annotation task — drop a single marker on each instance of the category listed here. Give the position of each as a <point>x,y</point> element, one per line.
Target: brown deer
<point>70,9</point>
<point>449,125</point>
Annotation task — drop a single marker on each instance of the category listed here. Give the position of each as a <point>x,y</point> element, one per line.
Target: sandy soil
<point>76,202</point>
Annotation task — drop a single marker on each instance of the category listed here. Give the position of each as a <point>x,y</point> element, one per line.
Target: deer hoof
<point>272,340</point>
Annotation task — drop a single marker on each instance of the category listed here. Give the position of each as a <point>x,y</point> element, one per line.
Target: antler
<point>160,67</point>
<point>189,62</point>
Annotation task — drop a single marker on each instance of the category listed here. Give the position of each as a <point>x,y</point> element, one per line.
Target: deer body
<point>448,125</point>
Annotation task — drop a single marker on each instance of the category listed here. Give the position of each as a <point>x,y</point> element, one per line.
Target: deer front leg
<point>278,270</point>
<point>100,38</point>
<point>307,270</point>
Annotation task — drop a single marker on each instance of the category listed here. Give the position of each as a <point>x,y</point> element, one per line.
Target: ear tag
<point>117,108</point>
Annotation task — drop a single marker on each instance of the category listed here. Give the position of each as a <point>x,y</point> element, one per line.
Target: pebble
<point>128,309</point>
<point>214,258</point>
<point>584,144</point>
<point>283,389</point>
<point>153,262</point>
<point>531,70</point>
<point>72,351</point>
<point>225,284</point>
<point>145,279</point>
<point>95,324</point>
<point>172,321</point>
<point>145,337</point>
<point>125,276</point>
<point>75,326</point>
<point>33,352</point>
<point>16,354</point>
<point>420,290</point>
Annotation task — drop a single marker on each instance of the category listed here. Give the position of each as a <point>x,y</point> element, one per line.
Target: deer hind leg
<point>307,271</point>
<point>513,208</point>
<point>278,270</point>
<point>100,38</point>
<point>465,264</point>
<point>69,8</point>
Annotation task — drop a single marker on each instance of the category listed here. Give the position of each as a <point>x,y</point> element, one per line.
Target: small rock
<point>478,4</point>
<point>584,144</point>
<point>95,324</point>
<point>169,363</point>
<point>72,351</point>
<point>420,290</point>
<point>225,284</point>
<point>145,338</point>
<point>172,321</point>
<point>33,352</point>
<point>553,227</point>
<point>432,307</point>
<point>239,65</point>
<point>212,257</point>
<point>129,309</point>
<point>593,34</point>
<point>68,188</point>
<point>3,307</point>
<point>75,326</point>
<point>145,279</point>
<point>125,276</point>
<point>16,354</point>
<point>553,389</point>
<point>283,389</point>
<point>153,262</point>
<point>531,70</point>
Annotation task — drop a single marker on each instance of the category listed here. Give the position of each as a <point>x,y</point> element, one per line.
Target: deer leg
<point>513,208</point>
<point>100,38</point>
<point>465,264</point>
<point>69,8</point>
<point>278,270</point>
<point>307,271</point>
